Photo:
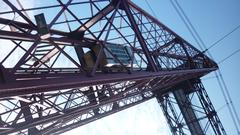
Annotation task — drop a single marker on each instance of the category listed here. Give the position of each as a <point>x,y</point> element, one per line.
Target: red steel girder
<point>169,59</point>
<point>26,84</point>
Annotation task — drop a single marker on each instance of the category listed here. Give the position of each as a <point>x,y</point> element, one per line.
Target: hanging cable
<point>149,6</point>
<point>227,103</point>
<point>222,38</point>
<point>222,107</point>
<point>230,99</point>
<point>229,56</point>
<point>186,24</point>
<point>189,25</point>
<point>198,39</point>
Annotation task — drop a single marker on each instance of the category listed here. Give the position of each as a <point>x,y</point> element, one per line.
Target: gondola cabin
<point>114,58</point>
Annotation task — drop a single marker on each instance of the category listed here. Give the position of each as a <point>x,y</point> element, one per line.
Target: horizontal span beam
<point>37,85</point>
<point>31,38</point>
<point>66,41</point>
<point>23,25</point>
<point>77,112</point>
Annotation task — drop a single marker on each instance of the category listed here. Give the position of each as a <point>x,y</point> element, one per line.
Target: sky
<point>212,19</point>
<point>142,119</point>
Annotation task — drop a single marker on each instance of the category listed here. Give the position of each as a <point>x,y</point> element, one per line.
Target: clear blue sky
<point>212,19</point>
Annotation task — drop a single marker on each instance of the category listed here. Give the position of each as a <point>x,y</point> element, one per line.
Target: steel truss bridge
<point>45,89</point>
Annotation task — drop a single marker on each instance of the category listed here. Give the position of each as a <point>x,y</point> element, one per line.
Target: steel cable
<point>232,108</point>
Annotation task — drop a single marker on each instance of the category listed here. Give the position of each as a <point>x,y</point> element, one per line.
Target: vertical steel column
<point>171,115</point>
<point>80,54</point>
<point>209,109</point>
<point>181,104</point>
<point>188,112</point>
<point>28,117</point>
<point>1,74</point>
<point>4,74</point>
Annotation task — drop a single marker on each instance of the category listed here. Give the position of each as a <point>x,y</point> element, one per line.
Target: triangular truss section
<point>102,56</point>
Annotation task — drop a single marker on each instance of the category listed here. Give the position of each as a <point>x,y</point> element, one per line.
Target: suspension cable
<point>228,102</point>
<point>229,56</point>
<point>149,6</point>
<point>198,39</point>
<point>222,38</point>
<point>232,108</point>
<point>186,24</point>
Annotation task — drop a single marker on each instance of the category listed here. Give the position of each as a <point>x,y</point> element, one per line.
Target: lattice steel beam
<point>47,89</point>
<point>188,110</point>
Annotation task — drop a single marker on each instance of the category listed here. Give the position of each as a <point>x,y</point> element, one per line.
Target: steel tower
<point>45,87</point>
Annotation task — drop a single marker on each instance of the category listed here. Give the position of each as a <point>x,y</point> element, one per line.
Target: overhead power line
<point>149,6</point>
<point>229,56</point>
<point>189,27</point>
<point>222,38</point>
<point>227,100</point>
<point>221,81</point>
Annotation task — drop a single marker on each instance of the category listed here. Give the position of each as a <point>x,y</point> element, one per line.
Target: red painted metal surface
<point>47,84</point>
